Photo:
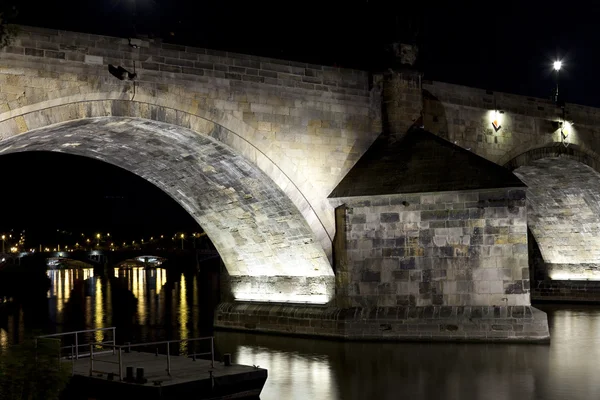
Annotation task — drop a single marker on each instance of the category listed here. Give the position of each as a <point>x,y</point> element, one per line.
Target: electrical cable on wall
<point>134,82</point>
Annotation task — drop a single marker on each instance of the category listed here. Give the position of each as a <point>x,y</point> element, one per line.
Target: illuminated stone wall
<point>564,216</point>
<point>448,249</point>
<point>266,245</point>
<point>464,116</point>
<point>303,125</point>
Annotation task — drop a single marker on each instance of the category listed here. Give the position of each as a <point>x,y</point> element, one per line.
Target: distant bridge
<point>101,258</point>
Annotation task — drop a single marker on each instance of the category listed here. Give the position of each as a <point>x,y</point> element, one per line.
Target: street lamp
<point>557,66</point>
<point>182,237</point>
<point>3,240</point>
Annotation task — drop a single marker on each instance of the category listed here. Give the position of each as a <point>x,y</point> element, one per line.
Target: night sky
<point>55,197</point>
<point>502,46</point>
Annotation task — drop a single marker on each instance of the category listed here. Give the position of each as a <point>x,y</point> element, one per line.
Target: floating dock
<point>105,371</point>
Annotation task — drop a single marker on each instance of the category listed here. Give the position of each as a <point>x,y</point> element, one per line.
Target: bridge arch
<point>525,155</point>
<point>174,108</point>
<point>563,199</point>
<point>266,244</point>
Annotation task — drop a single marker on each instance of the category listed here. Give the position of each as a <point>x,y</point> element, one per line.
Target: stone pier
<point>421,253</point>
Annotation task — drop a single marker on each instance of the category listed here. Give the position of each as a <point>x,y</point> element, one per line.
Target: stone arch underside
<point>563,201</point>
<point>269,250</point>
<point>185,112</point>
<point>522,157</point>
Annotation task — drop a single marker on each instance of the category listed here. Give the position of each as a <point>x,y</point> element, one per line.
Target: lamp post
<point>182,237</point>
<point>3,240</point>
<point>557,66</point>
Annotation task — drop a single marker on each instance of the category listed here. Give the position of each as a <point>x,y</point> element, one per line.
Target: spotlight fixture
<point>496,120</point>
<point>121,73</point>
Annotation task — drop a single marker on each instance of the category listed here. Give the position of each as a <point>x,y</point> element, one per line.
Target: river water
<point>155,305</point>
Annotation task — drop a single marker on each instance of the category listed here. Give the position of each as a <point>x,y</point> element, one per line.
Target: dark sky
<point>45,193</point>
<point>503,46</point>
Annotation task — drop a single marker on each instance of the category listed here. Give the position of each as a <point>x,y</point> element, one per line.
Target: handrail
<point>76,332</point>
<point>50,339</point>
<point>119,348</point>
<point>76,346</point>
<point>128,346</point>
<point>165,341</point>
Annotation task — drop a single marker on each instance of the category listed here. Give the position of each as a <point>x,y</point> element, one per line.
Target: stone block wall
<point>304,125</point>
<point>463,115</point>
<point>401,100</point>
<point>448,249</point>
<point>431,323</point>
<point>557,291</point>
<point>563,199</point>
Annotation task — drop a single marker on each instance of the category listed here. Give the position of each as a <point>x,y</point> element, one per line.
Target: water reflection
<point>151,304</point>
<point>328,370</point>
<point>157,304</point>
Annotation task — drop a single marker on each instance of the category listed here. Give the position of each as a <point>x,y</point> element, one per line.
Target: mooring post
<point>168,359</point>
<point>91,359</point>
<point>212,352</point>
<point>77,345</point>
<point>120,364</point>
<point>72,360</point>
<point>114,332</point>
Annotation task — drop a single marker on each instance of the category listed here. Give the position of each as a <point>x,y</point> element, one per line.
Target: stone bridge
<point>263,154</point>
<point>100,258</point>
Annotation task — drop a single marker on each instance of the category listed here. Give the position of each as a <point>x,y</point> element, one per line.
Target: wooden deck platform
<point>189,379</point>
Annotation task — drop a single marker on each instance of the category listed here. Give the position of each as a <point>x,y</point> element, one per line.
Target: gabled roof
<point>420,162</point>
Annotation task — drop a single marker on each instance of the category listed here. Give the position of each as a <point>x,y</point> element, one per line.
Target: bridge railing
<point>120,349</point>
<point>74,341</point>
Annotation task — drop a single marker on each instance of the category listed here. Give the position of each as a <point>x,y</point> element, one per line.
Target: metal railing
<point>77,335</point>
<point>118,349</point>
<point>38,341</point>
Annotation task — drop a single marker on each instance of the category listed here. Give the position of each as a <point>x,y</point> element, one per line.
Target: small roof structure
<point>420,162</point>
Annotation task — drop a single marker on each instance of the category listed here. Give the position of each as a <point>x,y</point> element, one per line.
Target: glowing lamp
<point>496,120</point>
<point>557,65</point>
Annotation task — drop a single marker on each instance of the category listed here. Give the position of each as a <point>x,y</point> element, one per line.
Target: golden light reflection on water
<point>291,376</point>
<point>3,339</point>
<point>163,307</point>
<point>98,309</point>
<point>183,315</point>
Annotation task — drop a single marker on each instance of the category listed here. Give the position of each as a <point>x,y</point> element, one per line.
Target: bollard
<point>129,375</point>
<point>227,359</point>
<point>139,375</point>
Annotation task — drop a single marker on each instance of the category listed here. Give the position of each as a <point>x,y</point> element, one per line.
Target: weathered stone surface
<point>266,245</point>
<point>411,254</point>
<point>303,135</point>
<point>566,291</point>
<point>564,216</point>
<point>399,323</point>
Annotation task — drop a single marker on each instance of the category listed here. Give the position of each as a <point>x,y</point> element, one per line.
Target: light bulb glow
<point>557,65</point>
